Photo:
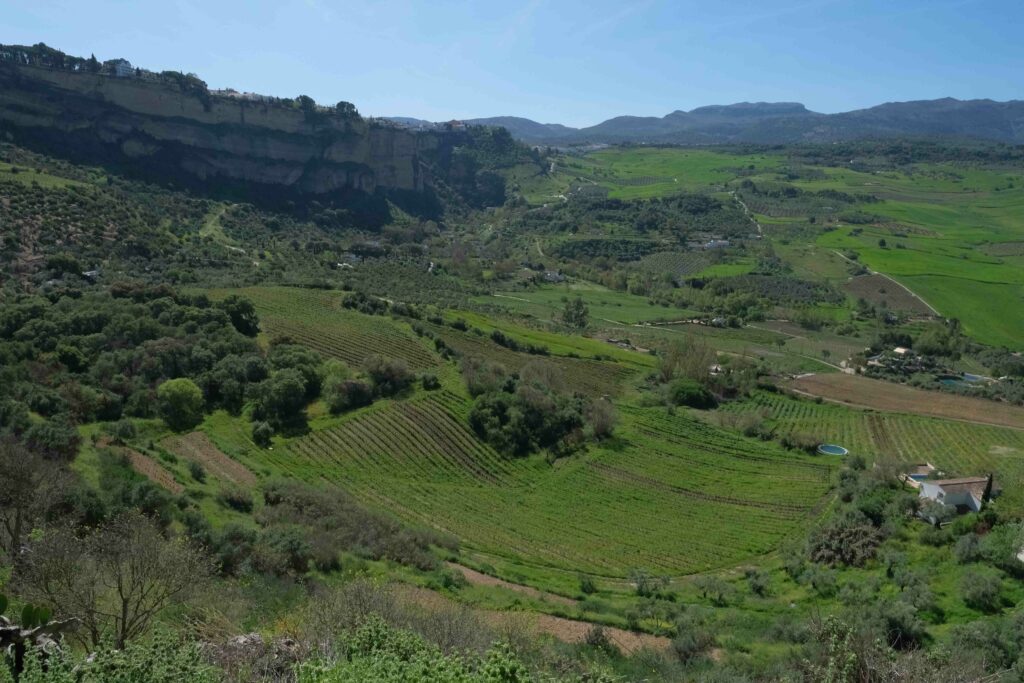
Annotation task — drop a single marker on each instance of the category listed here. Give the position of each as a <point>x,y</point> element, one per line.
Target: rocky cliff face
<point>204,138</point>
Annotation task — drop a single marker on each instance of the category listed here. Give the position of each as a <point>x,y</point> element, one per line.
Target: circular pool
<point>832,449</point>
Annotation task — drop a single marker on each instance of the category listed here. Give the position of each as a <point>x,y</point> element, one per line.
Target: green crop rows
<point>316,319</point>
<point>670,494</point>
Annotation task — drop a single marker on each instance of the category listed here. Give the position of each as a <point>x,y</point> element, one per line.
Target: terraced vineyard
<point>316,319</point>
<point>959,448</point>
<point>672,494</point>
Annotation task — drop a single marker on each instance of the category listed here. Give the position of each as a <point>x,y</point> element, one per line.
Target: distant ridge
<point>785,122</point>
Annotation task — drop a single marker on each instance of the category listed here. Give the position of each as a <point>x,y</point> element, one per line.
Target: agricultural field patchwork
<point>957,448</point>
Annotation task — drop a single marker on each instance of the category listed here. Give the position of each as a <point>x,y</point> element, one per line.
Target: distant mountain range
<point>780,122</point>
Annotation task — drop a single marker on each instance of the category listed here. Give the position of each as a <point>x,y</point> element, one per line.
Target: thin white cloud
<point>518,23</point>
<point>620,16</point>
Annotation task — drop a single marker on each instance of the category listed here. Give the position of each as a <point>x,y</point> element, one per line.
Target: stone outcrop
<point>205,138</point>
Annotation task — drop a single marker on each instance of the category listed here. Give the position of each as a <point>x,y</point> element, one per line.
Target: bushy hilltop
<point>171,127</point>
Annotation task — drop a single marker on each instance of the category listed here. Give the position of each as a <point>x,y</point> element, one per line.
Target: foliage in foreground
<point>162,659</point>
<point>378,653</point>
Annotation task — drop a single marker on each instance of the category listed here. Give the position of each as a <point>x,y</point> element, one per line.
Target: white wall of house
<point>935,492</point>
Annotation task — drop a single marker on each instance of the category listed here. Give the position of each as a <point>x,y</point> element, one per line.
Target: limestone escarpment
<point>204,138</point>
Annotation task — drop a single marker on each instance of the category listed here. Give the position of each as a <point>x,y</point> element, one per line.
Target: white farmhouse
<point>967,494</point>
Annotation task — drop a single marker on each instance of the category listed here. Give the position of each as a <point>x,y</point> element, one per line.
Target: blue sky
<point>576,62</point>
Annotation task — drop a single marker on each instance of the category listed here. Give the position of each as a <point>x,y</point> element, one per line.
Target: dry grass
<point>863,392</point>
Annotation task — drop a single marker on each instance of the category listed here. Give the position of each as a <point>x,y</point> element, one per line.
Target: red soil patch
<point>864,392</point>
<point>198,447</point>
<point>152,470</point>
<point>480,579</point>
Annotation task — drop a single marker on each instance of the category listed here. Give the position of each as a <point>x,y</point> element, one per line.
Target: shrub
<point>283,550</point>
<point>598,639</point>
<point>688,392</point>
<point>602,418</point>
<point>236,498</point>
<point>481,376</point>
<point>388,375</point>
<point>348,394</point>
<point>967,549</point>
<point>195,468</point>
<point>123,430</point>
<point>759,582</point>
<point>429,381</point>
<point>693,638</point>
<point>980,591</point>
<point>587,586</point>
<point>849,539</point>
<point>262,433</point>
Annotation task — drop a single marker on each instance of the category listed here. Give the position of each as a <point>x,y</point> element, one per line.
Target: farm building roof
<point>971,484</point>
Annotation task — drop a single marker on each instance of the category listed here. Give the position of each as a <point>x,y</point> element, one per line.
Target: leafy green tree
<point>180,403</point>
<point>576,314</point>
<point>389,375</point>
<point>242,313</point>
<point>281,399</point>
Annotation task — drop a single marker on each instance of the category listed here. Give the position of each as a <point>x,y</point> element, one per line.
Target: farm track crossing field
<point>878,290</point>
<point>880,395</point>
<point>958,448</point>
<point>316,319</point>
<point>669,494</point>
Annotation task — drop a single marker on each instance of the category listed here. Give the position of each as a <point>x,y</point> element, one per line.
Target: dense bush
<point>688,392</point>
<point>388,375</point>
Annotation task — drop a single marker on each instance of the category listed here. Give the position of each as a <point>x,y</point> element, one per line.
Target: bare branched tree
<point>115,580</point>
<point>29,483</point>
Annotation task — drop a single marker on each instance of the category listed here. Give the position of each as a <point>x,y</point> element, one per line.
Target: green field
<point>945,217</point>
<point>642,172</point>
<point>316,319</point>
<point>945,225</point>
<point>646,500</point>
